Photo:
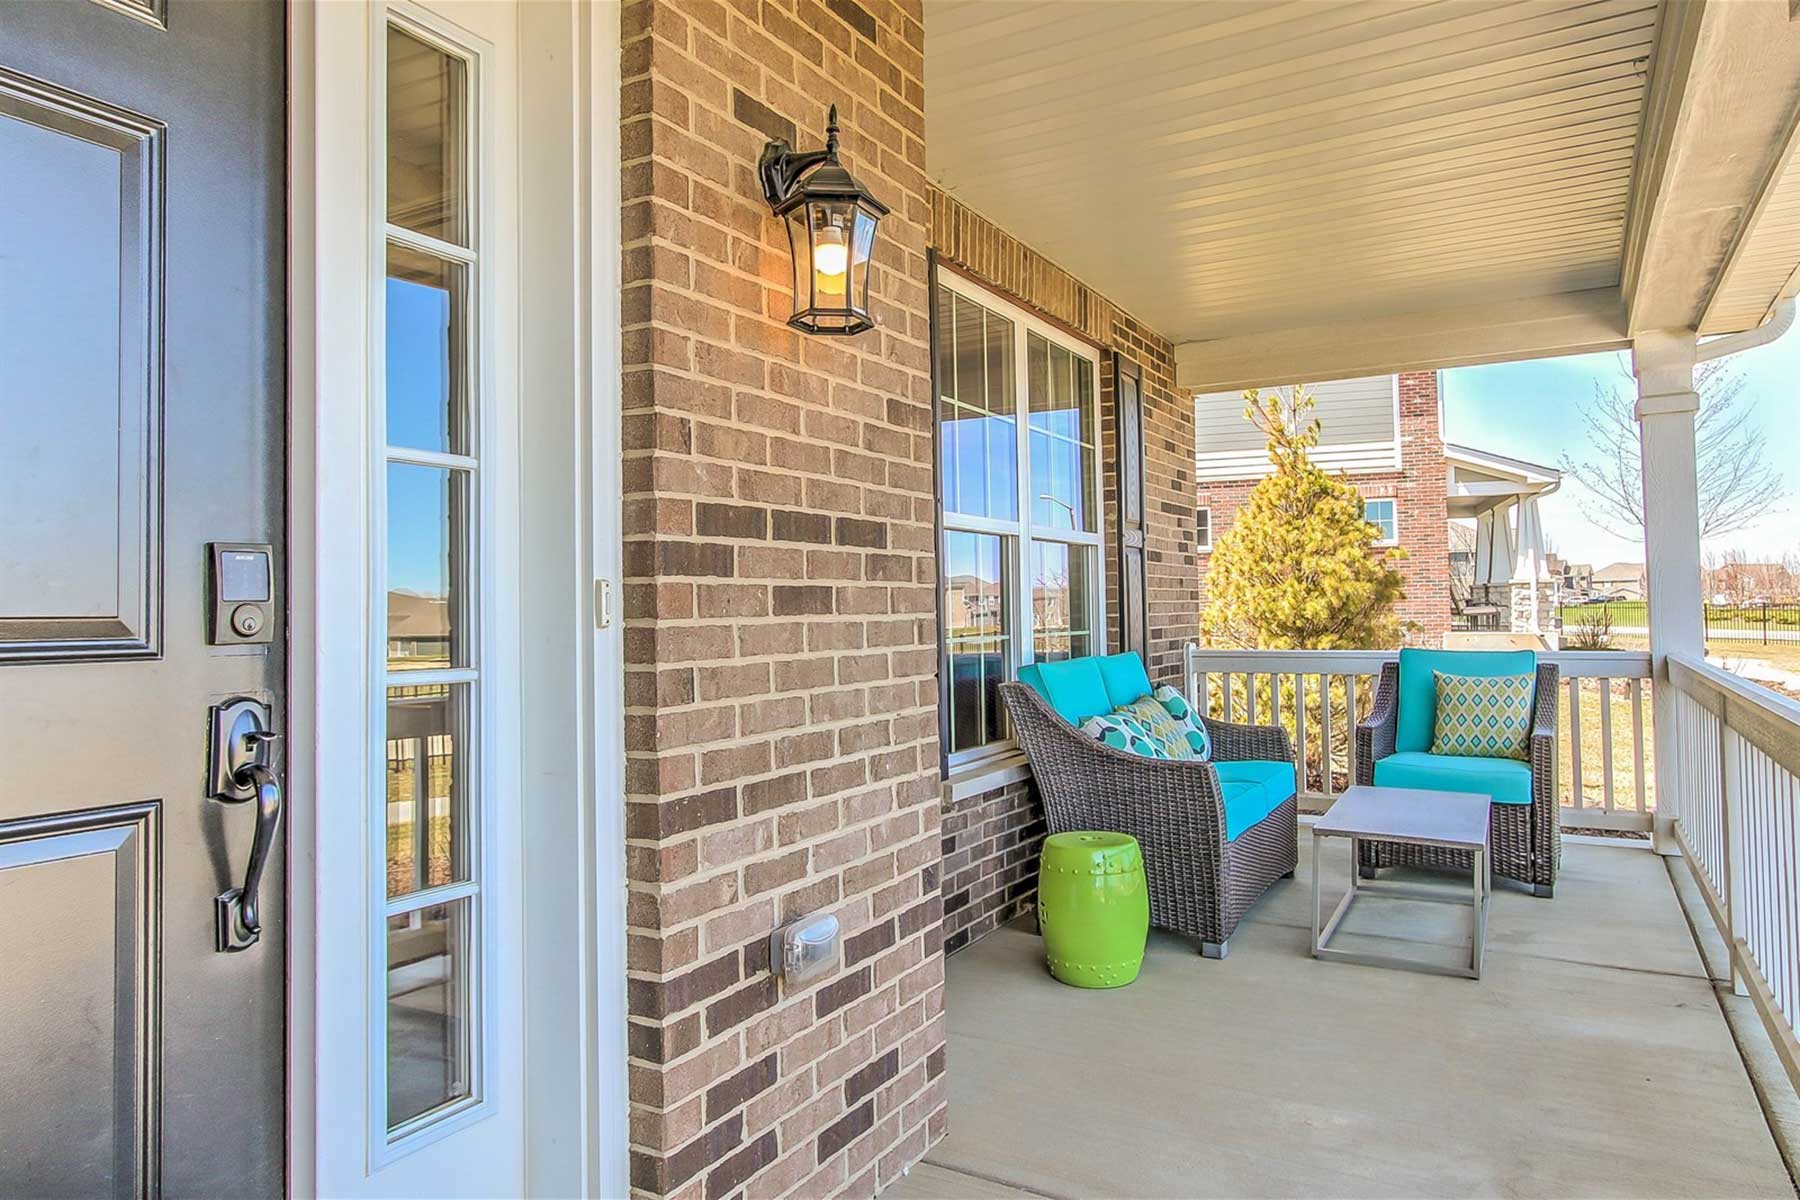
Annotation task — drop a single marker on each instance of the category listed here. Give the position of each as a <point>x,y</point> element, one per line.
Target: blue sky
<point>418,399</point>
<point>1532,410</point>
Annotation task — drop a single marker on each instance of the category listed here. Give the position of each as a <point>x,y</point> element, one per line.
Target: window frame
<point>1203,545</point>
<point>1394,503</point>
<point>480,585</point>
<point>1017,538</point>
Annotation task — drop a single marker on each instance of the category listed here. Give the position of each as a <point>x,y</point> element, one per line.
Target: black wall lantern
<point>831,222</point>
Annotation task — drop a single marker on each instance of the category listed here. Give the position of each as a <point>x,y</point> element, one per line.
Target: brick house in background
<point>1476,557</point>
<point>1384,434</point>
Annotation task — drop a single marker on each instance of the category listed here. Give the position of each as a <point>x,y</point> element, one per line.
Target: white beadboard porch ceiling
<point>1226,167</point>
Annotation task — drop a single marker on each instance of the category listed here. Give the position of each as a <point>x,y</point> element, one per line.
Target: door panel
<point>77,578</point>
<point>142,385</point>
<point>86,1127</point>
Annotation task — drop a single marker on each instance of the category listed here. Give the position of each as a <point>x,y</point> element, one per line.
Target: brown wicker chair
<point>1525,840</point>
<point>1201,885</point>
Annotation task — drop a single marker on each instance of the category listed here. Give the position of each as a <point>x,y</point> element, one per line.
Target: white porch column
<point>1663,362</point>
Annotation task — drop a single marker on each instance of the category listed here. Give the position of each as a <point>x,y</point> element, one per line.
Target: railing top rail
<point>1307,662</point>
<point>1767,720</point>
<point>1581,664</point>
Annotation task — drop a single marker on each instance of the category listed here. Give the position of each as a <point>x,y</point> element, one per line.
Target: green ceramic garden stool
<point>1093,908</point>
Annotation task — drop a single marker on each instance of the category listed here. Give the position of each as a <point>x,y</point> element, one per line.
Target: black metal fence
<point>1770,620</point>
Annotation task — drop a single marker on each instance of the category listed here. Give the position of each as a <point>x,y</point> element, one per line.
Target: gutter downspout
<point>1780,318</point>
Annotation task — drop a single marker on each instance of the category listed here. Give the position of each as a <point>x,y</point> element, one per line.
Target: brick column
<point>1421,495</point>
<point>781,724</point>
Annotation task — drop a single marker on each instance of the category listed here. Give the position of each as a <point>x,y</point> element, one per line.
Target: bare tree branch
<point>1737,483</point>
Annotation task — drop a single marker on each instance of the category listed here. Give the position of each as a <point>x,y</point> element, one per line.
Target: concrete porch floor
<point>1592,1059</point>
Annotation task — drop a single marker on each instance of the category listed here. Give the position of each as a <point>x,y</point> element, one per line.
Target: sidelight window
<point>1018,467</point>
<point>428,903</point>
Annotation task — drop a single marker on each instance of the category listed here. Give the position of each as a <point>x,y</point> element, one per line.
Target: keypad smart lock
<point>241,583</point>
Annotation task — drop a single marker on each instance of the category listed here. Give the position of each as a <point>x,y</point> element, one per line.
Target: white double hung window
<point>1018,462</point>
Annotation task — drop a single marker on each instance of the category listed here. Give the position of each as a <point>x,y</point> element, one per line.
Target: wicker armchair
<point>1525,840</point>
<point>1201,885</point>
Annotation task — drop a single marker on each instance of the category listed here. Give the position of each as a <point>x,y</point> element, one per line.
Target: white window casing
<point>1039,532</point>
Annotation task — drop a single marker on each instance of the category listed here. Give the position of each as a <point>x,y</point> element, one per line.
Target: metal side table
<point>1448,820</point>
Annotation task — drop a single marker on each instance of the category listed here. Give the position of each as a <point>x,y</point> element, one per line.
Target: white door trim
<point>328,592</point>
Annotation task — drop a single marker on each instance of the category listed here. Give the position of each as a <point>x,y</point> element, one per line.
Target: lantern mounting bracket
<point>781,167</point>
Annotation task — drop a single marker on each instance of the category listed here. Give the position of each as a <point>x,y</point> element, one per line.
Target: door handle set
<point>243,769</point>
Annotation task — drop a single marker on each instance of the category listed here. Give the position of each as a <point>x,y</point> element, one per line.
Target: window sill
<point>987,775</point>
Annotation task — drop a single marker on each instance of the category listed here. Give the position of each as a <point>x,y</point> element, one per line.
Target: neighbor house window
<point>1018,459</point>
<point>1385,514</point>
<point>1203,529</point>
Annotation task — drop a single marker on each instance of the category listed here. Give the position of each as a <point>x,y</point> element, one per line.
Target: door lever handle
<point>237,911</point>
<point>241,770</point>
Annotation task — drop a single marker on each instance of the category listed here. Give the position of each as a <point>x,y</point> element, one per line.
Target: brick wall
<point>1419,491</point>
<point>988,253</point>
<point>781,724</point>
<point>991,846</point>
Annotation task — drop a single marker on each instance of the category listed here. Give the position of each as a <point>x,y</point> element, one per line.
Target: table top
<point>1454,819</point>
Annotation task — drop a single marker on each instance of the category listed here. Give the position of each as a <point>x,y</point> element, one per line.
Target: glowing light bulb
<point>831,256</point>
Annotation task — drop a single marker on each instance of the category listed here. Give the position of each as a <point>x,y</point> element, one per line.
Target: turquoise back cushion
<point>1124,677</point>
<point>1075,689</point>
<point>1418,688</point>
<point>1028,675</point>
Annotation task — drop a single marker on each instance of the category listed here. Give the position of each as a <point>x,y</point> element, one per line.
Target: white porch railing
<point>1320,695</point>
<point>1736,802</point>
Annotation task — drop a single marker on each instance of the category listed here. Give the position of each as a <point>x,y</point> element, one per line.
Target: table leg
<point>1479,886</point>
<point>1316,839</point>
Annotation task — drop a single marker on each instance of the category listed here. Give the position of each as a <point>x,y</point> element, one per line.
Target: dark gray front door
<point>142,417</point>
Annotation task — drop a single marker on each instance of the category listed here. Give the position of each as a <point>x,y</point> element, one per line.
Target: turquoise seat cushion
<point>1075,689</point>
<point>1252,789</point>
<point>1418,686</point>
<point>1507,780</point>
<point>1124,677</point>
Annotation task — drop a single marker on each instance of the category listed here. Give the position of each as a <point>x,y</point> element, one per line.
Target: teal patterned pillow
<point>1161,726</point>
<point>1483,716</point>
<point>1123,732</point>
<point>1182,713</point>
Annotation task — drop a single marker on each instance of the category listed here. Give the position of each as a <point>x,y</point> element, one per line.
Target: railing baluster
<point>1637,743</point>
<point>1325,738</point>
<point>1732,805</point>
<point>1302,779</point>
<point>1575,780</point>
<point>1606,743</point>
<point>1350,719</point>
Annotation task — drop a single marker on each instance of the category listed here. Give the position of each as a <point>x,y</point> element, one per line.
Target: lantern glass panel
<point>800,241</point>
<point>834,225</point>
<point>861,250</point>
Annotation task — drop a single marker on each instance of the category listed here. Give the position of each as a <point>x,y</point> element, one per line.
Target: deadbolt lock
<point>240,584</point>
